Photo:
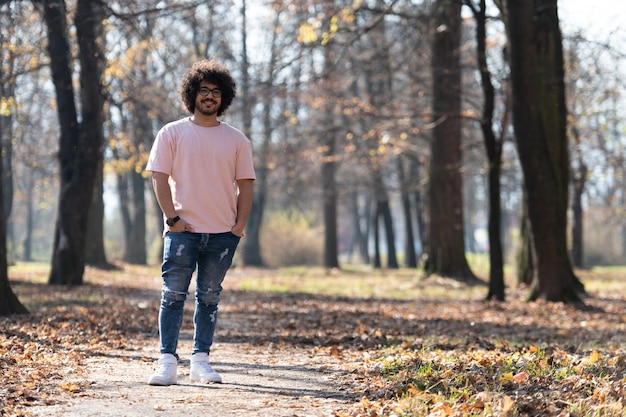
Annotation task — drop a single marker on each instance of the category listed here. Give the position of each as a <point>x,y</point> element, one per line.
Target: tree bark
<point>524,260</point>
<point>410,257</point>
<point>135,248</point>
<point>7,91</point>
<point>360,225</point>
<point>377,262</point>
<point>9,303</point>
<point>329,186</point>
<point>383,212</point>
<point>493,147</point>
<point>419,204</point>
<point>252,244</point>
<point>80,148</point>
<point>328,173</point>
<point>446,248</point>
<point>539,116</point>
<point>577,220</point>
<point>6,143</point>
<point>578,186</point>
<point>135,252</point>
<point>95,253</point>
<point>27,244</point>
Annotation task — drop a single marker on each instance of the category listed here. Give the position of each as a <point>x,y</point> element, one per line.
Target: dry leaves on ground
<point>400,357</point>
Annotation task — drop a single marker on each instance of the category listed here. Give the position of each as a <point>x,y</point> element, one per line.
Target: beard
<point>209,110</point>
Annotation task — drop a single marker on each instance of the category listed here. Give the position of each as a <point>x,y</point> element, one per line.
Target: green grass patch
<point>33,272</point>
<point>358,281</point>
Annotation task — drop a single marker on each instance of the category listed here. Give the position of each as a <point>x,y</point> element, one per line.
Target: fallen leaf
<point>507,404</point>
<point>520,377</point>
<point>508,377</point>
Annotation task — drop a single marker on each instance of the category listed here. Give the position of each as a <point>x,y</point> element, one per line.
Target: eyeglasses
<point>215,92</point>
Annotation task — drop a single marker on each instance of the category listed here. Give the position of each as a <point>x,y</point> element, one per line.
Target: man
<point>202,175</point>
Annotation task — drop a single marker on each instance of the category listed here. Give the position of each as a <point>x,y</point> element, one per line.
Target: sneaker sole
<point>217,380</point>
<point>162,383</point>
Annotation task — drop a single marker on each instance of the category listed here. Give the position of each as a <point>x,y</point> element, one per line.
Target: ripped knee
<point>170,297</point>
<point>208,299</point>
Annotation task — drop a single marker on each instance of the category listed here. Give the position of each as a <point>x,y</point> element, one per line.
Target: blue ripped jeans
<point>212,254</point>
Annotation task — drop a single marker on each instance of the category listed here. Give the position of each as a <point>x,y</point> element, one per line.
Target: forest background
<point>403,136</point>
<point>337,100</point>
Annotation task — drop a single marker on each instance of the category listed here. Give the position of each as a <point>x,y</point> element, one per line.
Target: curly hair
<point>210,71</point>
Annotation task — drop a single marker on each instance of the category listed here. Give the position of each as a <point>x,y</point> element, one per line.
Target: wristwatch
<point>171,221</point>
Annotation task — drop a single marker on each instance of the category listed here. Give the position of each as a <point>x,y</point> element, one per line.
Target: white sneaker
<point>165,373</point>
<point>201,369</point>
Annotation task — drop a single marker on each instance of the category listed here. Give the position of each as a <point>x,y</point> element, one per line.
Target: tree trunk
<point>524,260</point>
<point>7,91</point>
<point>329,187</point>
<point>496,257</point>
<point>9,303</point>
<point>377,263</point>
<point>493,148</point>
<point>577,220</point>
<point>27,244</point>
<point>251,253</point>
<point>252,244</point>
<point>135,252</point>
<point>446,249</point>
<point>135,248</point>
<point>80,147</point>
<point>362,225</point>
<point>123,189</point>
<point>383,212</point>
<point>392,259</point>
<point>539,116</point>
<point>578,186</point>
<point>6,143</point>
<point>358,225</point>
<point>95,254</point>
<point>67,268</point>
<point>419,204</point>
<point>124,198</point>
<point>410,257</point>
<point>328,171</point>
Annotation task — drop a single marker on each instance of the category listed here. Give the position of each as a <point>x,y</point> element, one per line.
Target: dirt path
<point>257,382</point>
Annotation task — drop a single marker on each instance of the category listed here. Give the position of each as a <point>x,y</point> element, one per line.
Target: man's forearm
<point>163,193</point>
<point>244,203</point>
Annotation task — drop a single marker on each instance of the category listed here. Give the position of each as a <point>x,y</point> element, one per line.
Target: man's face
<point>207,103</point>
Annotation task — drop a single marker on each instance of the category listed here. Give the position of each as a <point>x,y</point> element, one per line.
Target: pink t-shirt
<point>204,164</point>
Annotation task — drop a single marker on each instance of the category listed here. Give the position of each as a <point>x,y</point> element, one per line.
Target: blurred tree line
<point>390,132</point>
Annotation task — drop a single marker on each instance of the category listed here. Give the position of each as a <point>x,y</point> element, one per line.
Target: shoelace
<point>206,367</point>
<point>165,368</point>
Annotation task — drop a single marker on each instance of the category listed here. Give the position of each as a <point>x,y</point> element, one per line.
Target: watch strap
<point>171,221</point>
